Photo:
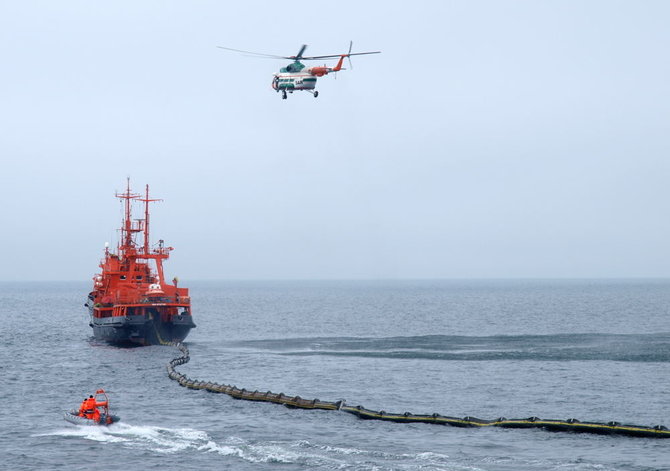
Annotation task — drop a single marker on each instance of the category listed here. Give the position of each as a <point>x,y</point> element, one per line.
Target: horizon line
<point>265,279</point>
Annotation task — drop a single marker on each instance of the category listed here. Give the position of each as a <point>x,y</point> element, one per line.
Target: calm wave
<point>564,347</point>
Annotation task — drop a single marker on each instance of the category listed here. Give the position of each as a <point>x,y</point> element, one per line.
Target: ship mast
<point>128,248</point>
<point>126,243</point>
<point>146,252</point>
<point>146,201</point>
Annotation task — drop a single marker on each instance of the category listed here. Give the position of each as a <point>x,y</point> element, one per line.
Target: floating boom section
<point>569,425</point>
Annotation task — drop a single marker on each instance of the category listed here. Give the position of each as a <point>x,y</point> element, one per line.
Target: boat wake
<point>297,452</point>
<point>158,439</point>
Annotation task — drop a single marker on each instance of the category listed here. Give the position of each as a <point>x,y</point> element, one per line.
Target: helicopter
<point>295,76</point>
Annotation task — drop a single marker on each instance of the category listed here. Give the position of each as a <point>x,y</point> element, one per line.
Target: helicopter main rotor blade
<point>272,56</point>
<point>299,55</point>
<point>363,53</point>
<point>332,56</point>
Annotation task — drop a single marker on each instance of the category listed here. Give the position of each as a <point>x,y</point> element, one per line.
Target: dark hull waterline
<point>141,329</point>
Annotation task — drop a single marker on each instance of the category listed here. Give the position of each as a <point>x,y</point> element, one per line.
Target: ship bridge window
<point>138,277</point>
<point>123,277</point>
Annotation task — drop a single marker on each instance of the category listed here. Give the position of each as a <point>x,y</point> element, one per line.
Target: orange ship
<point>131,303</point>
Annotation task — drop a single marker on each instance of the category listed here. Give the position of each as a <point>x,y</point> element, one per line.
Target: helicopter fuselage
<point>296,77</point>
<point>290,81</point>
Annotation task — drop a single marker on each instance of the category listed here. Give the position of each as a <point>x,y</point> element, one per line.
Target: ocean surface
<point>595,350</point>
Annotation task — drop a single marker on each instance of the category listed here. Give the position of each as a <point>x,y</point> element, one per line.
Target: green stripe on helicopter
<point>290,80</point>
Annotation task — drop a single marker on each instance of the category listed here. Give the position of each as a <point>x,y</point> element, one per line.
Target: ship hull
<point>147,329</point>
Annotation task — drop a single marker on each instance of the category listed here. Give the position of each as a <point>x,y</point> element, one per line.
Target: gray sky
<point>489,139</point>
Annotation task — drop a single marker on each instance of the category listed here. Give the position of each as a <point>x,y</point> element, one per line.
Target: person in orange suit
<point>82,407</point>
<point>89,407</point>
<point>95,415</point>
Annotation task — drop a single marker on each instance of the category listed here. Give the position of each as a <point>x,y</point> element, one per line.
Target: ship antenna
<point>147,200</point>
<point>127,229</point>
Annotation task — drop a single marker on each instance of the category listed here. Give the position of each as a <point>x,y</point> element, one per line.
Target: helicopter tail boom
<point>338,67</point>
<point>321,71</point>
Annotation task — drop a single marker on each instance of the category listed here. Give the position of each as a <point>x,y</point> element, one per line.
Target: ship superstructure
<point>131,302</point>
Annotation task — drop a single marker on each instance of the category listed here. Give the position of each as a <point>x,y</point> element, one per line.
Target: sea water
<point>595,350</point>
